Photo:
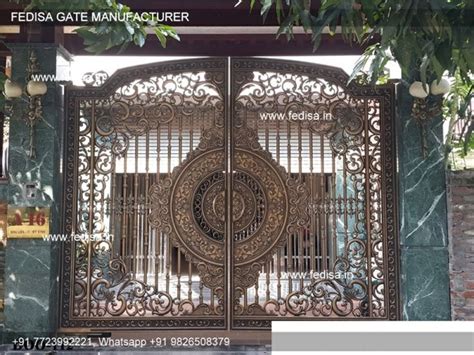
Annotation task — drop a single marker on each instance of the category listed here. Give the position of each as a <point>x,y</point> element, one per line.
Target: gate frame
<point>385,93</point>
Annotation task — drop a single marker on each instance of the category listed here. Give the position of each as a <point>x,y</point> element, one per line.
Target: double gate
<point>226,193</point>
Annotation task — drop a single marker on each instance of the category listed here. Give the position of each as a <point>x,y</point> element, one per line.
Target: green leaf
<point>423,68</point>
<point>305,19</point>
<point>437,67</point>
<point>443,53</point>
<point>139,39</point>
<point>377,65</point>
<point>266,5</point>
<point>86,34</point>
<point>279,10</point>
<point>316,41</point>
<point>285,26</point>
<point>130,28</point>
<point>161,37</point>
<point>360,64</point>
<point>325,5</point>
<point>98,47</point>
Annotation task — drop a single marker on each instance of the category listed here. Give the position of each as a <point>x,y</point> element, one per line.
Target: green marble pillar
<point>31,275</point>
<point>422,218</point>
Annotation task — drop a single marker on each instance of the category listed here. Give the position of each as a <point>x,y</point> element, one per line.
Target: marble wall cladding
<point>28,286</point>
<point>422,217</point>
<point>32,265</point>
<point>44,168</point>
<point>422,181</point>
<point>425,284</point>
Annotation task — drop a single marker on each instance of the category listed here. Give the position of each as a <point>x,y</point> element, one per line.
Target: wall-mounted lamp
<point>425,106</point>
<point>31,94</point>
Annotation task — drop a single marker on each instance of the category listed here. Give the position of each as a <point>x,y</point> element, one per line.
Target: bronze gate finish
<point>221,217</point>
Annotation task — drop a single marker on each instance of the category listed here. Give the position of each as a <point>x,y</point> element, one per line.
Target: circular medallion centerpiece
<point>190,206</point>
<point>248,206</point>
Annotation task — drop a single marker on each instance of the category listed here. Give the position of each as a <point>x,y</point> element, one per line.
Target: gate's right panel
<point>335,253</point>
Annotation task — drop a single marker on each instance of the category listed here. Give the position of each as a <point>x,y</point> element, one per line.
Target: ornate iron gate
<point>164,162</point>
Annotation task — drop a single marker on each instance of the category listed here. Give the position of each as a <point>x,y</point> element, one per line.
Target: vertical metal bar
<point>91,210</point>
<point>323,215</point>
<point>295,251</point>
<point>368,206</point>
<point>267,276</point>
<point>278,142</point>
<point>279,260</point>
<point>180,158</point>
<point>300,153</point>
<point>318,223</point>
<point>112,207</point>
<point>169,148</point>
<point>280,257</point>
<point>333,211</point>
<point>203,123</point>
<point>267,138</point>
<point>146,233</point>
<point>346,206</point>
<point>300,240</point>
<point>190,280</point>
<point>158,152</point>
<point>180,138</point>
<point>301,256</point>
<point>157,230</point>
<point>280,250</point>
<point>169,252</point>
<point>213,300</point>
<point>312,231</point>
<point>124,234</point>
<point>178,275</point>
<point>290,237</point>
<point>288,148</point>
<point>190,265</point>
<point>201,295</point>
<point>229,169</point>
<point>191,134</point>
<point>246,298</point>
<point>135,250</point>
<point>102,205</point>
<point>256,290</point>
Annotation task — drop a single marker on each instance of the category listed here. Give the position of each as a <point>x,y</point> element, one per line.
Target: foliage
<point>431,36</point>
<point>458,110</point>
<point>427,38</point>
<point>100,37</point>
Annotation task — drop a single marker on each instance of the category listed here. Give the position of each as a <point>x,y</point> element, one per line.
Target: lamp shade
<point>418,90</point>
<point>440,88</point>
<point>36,88</point>
<point>12,90</point>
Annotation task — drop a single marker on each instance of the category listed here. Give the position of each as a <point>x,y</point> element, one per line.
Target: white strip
<point>221,30</point>
<point>371,326</point>
<point>371,352</point>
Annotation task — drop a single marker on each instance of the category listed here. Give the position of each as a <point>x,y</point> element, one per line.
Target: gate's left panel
<point>127,142</point>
